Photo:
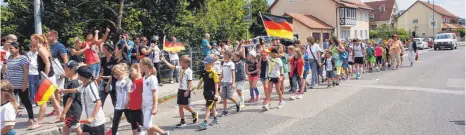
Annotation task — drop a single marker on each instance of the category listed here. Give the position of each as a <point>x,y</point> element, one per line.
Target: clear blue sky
<point>456,7</point>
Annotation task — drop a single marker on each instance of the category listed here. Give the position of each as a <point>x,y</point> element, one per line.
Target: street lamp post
<point>433,18</point>
<point>37,20</point>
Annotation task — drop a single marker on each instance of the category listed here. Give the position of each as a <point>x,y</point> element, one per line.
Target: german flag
<point>45,91</point>
<point>278,26</point>
<point>172,46</point>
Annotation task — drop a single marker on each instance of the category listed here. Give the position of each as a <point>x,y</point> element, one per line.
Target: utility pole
<point>433,19</point>
<point>37,20</point>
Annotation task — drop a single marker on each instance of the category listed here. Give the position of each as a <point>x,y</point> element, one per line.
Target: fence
<point>197,56</point>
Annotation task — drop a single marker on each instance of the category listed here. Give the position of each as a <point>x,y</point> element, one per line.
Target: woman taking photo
<point>17,72</point>
<point>44,65</point>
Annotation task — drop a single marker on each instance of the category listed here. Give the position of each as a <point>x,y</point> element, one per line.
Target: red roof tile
<point>309,21</point>
<point>438,9</point>
<point>384,16</point>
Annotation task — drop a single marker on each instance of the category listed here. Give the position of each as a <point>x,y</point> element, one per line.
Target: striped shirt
<point>15,70</point>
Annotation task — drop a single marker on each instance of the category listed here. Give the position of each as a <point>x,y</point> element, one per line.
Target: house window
<point>382,9</point>
<point>367,36</point>
<point>292,1</point>
<point>371,16</point>
<point>360,33</point>
<point>296,36</point>
<point>415,21</point>
<point>355,33</point>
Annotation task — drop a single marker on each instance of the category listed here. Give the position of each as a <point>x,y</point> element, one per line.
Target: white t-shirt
<point>184,75</point>
<point>173,56</point>
<point>227,71</point>
<point>123,87</point>
<point>90,96</point>
<point>150,85</point>
<point>314,49</point>
<point>33,69</point>
<point>275,66</point>
<point>7,115</point>
<point>328,64</point>
<point>218,67</point>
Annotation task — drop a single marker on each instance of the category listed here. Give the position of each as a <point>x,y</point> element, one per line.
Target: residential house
<point>348,18</point>
<point>423,19</point>
<point>384,13</point>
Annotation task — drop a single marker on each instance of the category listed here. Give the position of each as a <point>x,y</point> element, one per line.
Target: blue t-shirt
<point>58,50</point>
<point>128,51</point>
<point>307,65</point>
<point>205,42</point>
<point>325,45</point>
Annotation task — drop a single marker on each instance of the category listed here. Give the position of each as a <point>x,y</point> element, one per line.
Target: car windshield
<point>443,36</point>
<point>417,40</point>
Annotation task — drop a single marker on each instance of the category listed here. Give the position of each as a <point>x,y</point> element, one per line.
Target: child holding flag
<point>94,117</point>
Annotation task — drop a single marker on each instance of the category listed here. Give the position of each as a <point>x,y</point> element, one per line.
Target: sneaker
<point>300,96</point>
<point>167,133</point>
<point>171,82</point>
<point>281,104</point>
<point>181,124</point>
<point>328,86</point>
<point>238,108</point>
<point>109,132</point>
<point>265,107</point>
<point>338,83</point>
<point>293,97</point>
<point>142,132</point>
<point>203,125</point>
<point>251,100</point>
<point>160,84</point>
<point>224,113</point>
<point>242,106</point>
<point>215,121</point>
<point>195,117</point>
<point>258,98</point>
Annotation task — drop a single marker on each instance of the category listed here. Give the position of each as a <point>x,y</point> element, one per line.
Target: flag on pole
<point>45,90</point>
<point>278,26</point>
<point>172,46</point>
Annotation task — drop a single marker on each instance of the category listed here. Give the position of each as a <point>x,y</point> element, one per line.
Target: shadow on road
<point>460,122</point>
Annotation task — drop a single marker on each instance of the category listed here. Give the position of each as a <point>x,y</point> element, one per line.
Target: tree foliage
<point>257,28</point>
<point>188,20</point>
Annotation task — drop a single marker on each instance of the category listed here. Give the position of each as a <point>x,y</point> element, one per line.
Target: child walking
<point>122,89</point>
<point>8,109</point>
<point>210,80</point>
<point>184,91</point>
<point>135,99</point>
<point>275,74</point>
<point>228,83</point>
<point>264,66</point>
<point>253,75</point>
<point>240,77</point>
<point>150,96</point>
<point>296,73</point>
<point>370,57</point>
<point>72,101</point>
<point>94,117</point>
<point>378,57</point>
<point>330,68</point>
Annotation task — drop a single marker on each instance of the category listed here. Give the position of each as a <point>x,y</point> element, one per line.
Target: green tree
<point>257,28</point>
<point>402,34</point>
<point>462,33</point>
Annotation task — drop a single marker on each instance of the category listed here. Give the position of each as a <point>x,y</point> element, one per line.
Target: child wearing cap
<point>72,101</point>
<point>210,80</point>
<point>150,96</point>
<point>253,75</point>
<point>275,74</point>
<point>94,117</point>
<point>184,92</point>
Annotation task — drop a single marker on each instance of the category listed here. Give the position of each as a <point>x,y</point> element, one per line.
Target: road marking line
<point>455,83</point>
<point>443,91</point>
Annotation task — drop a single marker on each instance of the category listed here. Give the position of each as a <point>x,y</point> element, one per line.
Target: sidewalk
<point>165,92</point>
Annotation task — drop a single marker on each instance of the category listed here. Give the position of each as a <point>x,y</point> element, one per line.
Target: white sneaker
<point>293,97</point>
<point>300,96</point>
<point>281,104</point>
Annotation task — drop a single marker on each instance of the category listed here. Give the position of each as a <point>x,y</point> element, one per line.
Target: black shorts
<point>351,63</point>
<point>358,60</point>
<point>72,120</point>
<point>210,100</point>
<point>99,130</point>
<point>136,118</point>
<point>273,80</point>
<point>181,99</point>
<point>378,59</point>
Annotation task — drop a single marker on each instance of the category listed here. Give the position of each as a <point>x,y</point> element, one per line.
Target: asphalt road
<point>427,99</point>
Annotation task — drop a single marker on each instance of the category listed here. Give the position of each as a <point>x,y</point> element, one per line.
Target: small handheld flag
<point>45,91</point>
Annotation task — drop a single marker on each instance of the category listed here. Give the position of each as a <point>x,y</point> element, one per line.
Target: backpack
<point>343,55</point>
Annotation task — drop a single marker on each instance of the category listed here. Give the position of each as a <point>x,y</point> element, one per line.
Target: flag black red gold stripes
<point>278,26</point>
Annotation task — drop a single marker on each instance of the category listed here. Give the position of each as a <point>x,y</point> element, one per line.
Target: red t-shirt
<point>135,100</point>
<point>91,55</point>
<point>378,51</point>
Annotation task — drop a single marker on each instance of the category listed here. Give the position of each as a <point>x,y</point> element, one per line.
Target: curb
<point>58,129</point>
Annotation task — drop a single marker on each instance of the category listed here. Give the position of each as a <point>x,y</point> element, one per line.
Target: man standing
<point>205,44</point>
<point>59,52</point>
<point>412,49</point>
<point>92,55</point>
<point>128,46</point>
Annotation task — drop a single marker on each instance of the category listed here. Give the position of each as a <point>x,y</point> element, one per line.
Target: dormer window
<point>371,16</point>
<point>382,9</point>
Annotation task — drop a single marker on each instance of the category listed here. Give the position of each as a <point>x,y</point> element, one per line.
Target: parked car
<point>420,43</point>
<point>445,40</point>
